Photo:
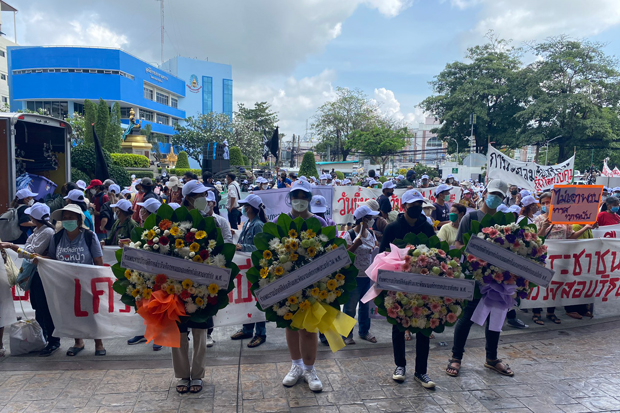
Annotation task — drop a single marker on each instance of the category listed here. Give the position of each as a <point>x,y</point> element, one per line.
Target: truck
<point>34,144</point>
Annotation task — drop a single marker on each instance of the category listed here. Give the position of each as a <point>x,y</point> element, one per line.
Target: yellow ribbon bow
<point>328,320</point>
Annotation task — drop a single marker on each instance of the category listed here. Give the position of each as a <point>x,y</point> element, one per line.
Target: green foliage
<point>425,170</point>
<point>140,173</point>
<point>235,157</point>
<point>383,179</point>
<point>114,131</point>
<point>90,116</point>
<point>76,175</point>
<point>148,132</point>
<point>78,128</point>
<point>198,131</point>
<point>379,143</point>
<point>83,158</point>
<point>182,171</point>
<point>101,124</point>
<point>130,160</point>
<point>246,160</point>
<point>248,127</point>
<point>308,166</point>
<point>120,175</point>
<point>182,160</point>
<point>339,175</point>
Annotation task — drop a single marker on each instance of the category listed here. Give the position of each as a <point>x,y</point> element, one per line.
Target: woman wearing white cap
<point>37,243</point>
<point>175,186</point>
<point>361,242</point>
<point>530,207</point>
<point>318,205</point>
<point>254,209</point>
<point>23,199</point>
<point>199,197</point>
<point>147,208</point>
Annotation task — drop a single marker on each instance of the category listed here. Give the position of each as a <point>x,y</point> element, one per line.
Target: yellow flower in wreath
<point>267,255</point>
<point>311,252</point>
<point>294,257</point>
<point>213,289</point>
<point>310,233</point>
<point>315,292</point>
<point>288,316</point>
<point>323,295</point>
<point>197,258</point>
<point>147,294</point>
<point>332,285</point>
<point>339,277</point>
<point>264,272</point>
<point>128,274</point>
<point>338,293</point>
<point>294,245</point>
<point>278,270</point>
<point>305,305</point>
<point>292,300</point>
<point>199,301</point>
<point>179,244</point>
<point>292,233</point>
<point>187,283</point>
<point>201,234</point>
<point>170,289</point>
<point>150,235</point>
<point>194,247</point>
<point>135,292</point>
<point>174,231</point>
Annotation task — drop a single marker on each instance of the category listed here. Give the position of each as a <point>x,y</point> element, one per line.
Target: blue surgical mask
<point>244,212</point>
<point>70,225</point>
<point>493,201</point>
<point>543,209</point>
<point>615,209</point>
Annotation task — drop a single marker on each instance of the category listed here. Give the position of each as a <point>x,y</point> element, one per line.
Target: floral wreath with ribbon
<point>164,301</point>
<point>499,290</point>
<point>417,312</point>
<point>289,245</point>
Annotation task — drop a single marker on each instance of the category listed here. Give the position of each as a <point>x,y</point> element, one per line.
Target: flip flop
<point>74,351</point>
<point>195,383</point>
<point>100,352</point>
<point>183,386</point>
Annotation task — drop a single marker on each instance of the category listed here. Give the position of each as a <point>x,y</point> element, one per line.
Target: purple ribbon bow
<point>495,302</point>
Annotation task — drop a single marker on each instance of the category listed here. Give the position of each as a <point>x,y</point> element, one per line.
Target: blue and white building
<point>60,78</point>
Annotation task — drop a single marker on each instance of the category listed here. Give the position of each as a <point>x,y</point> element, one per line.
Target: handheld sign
<point>428,285</point>
<point>302,277</point>
<point>509,261</point>
<point>575,204</point>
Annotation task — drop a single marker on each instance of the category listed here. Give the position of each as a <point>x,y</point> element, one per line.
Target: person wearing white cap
<point>530,207</point>
<point>76,197</point>
<point>82,185</point>
<point>524,193</point>
<point>361,241</point>
<point>346,182</point>
<point>424,182</point>
<point>254,209</point>
<point>199,197</point>
<point>616,192</point>
<point>450,180</point>
<point>318,206</point>
<point>147,208</point>
<point>37,243</point>
<point>385,199</point>
<point>123,225</point>
<point>78,245</point>
<point>302,345</point>
<point>411,221</point>
<point>175,195</point>
<point>380,221</point>
<point>174,206</point>
<point>441,211</point>
<point>23,199</point>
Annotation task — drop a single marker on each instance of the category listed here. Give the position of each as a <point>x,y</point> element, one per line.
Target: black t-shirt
<point>384,204</point>
<point>440,213</point>
<point>399,228</point>
<point>23,218</point>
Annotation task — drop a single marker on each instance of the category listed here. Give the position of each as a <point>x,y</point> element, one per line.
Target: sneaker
<point>399,374</point>
<point>293,376</point>
<point>210,341</point>
<point>136,340</point>
<point>516,323</point>
<point>424,380</point>
<point>313,381</point>
<point>157,347</point>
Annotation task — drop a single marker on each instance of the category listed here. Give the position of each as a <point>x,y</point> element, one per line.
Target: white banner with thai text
<point>275,200</point>
<point>608,231</point>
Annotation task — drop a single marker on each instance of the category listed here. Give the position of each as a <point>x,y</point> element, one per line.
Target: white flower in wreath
<point>192,254</point>
<point>282,311</point>
<point>183,252</point>
<point>156,247</point>
<point>274,243</point>
<point>263,262</point>
<point>194,230</point>
<point>130,289</point>
<point>138,244</point>
<point>164,249</point>
<point>146,248</point>
<point>185,225</point>
<point>263,282</point>
<point>288,266</point>
<point>191,308</point>
<point>418,322</point>
<point>323,238</point>
<point>166,233</point>
<point>156,240</point>
<point>201,291</point>
<point>331,297</point>
<point>219,260</point>
<point>212,244</point>
<point>178,288</point>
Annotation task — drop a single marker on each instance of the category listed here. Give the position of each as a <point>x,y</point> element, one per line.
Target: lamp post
<point>547,145</point>
<point>458,160</point>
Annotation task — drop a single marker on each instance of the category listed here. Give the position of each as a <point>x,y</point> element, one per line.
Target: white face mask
<point>299,205</point>
<point>208,209</point>
<point>200,203</point>
<point>31,202</point>
<point>93,191</point>
<point>371,223</point>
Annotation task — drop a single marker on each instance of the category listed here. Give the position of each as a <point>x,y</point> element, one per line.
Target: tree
<point>103,119</point>
<point>246,161</point>
<point>234,153</point>
<point>379,143</point>
<point>182,160</point>
<point>489,86</point>
<point>114,131</point>
<point>574,96</point>
<point>248,127</point>
<point>261,115</point>
<point>78,128</point>
<point>148,132</point>
<point>308,166</point>
<point>90,116</point>
<point>198,131</point>
<point>335,121</point>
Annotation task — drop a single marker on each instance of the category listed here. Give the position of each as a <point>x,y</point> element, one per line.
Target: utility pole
<point>472,138</point>
<point>162,30</point>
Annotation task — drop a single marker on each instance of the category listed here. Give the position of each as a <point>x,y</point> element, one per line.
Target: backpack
<point>106,212</point>
<point>9,225</point>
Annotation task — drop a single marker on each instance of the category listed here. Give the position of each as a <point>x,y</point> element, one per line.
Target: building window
<point>58,110</point>
<point>207,95</point>
<point>161,98</point>
<point>148,93</point>
<point>163,119</point>
<point>174,102</point>
<point>125,113</point>
<point>228,102</point>
<point>2,54</point>
<point>78,108</point>
<point>5,99</point>
<point>146,115</point>
<point>2,76</point>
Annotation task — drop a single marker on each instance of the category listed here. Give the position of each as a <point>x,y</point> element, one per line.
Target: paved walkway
<point>573,368</point>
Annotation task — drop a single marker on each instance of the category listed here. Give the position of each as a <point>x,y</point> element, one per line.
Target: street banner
<point>608,231</point>
<point>347,198</point>
<point>275,200</point>
<point>575,204</point>
<point>528,175</point>
<point>608,173</point>
<point>586,271</point>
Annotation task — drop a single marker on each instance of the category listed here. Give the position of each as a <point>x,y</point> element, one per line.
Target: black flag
<point>265,145</point>
<point>101,167</point>
<point>274,144</point>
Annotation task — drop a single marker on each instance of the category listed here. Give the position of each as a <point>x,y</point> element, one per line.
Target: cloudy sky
<point>294,53</point>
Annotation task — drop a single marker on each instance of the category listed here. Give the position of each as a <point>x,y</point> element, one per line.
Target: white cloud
<point>390,106</point>
<point>389,8</point>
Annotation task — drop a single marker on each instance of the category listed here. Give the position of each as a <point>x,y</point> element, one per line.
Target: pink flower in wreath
<point>516,245</point>
<point>448,300</point>
<point>424,271</point>
<point>450,273</point>
<point>499,277</point>
<point>422,260</point>
<point>396,307</point>
<point>486,230</point>
<point>441,253</point>
<point>471,258</point>
<point>406,323</point>
<point>434,322</point>
<point>527,236</point>
<point>493,232</point>
<point>392,313</point>
<point>407,258</point>
<point>417,311</point>
<point>507,230</point>
<point>406,267</point>
<point>444,267</point>
<point>435,307</point>
<point>451,318</point>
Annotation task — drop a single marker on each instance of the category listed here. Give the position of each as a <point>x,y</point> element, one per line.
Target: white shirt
<point>363,253</point>
<point>224,226</point>
<point>233,192</point>
<point>38,242</point>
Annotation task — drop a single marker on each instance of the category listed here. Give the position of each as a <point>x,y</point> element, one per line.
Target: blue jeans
<point>261,329</point>
<point>363,285</point>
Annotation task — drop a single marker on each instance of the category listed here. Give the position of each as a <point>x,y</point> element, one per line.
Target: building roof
<point>6,7</point>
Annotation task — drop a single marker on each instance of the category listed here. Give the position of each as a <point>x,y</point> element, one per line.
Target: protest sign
<point>176,268</point>
<point>275,200</point>
<point>608,231</point>
<point>509,261</point>
<point>587,271</point>
<point>301,278</point>
<point>575,204</point>
<point>425,284</point>
<point>528,175</point>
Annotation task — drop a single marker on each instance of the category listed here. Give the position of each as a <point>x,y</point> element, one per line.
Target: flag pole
<point>575,155</point>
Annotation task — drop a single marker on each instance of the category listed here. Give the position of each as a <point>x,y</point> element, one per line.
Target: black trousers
<point>422,348</point>
<point>42,311</point>
<point>461,332</point>
<point>233,218</point>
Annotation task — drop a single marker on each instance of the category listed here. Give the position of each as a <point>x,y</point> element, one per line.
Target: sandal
<point>451,367</point>
<point>183,386</point>
<point>407,335</point>
<point>195,386</point>
<point>589,314</point>
<point>537,320</point>
<point>100,352</point>
<point>493,365</point>
<point>554,318</point>
<point>74,351</point>
<point>576,316</point>
<point>257,341</point>
<point>369,337</point>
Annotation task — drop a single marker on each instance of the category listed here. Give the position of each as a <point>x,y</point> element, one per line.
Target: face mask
<point>299,205</point>
<point>389,193</point>
<point>371,223</point>
<point>515,192</point>
<point>615,209</point>
<point>617,194</point>
<point>93,191</point>
<point>493,201</point>
<point>543,209</point>
<point>264,186</point>
<point>323,182</point>
<point>115,216</point>
<point>31,202</point>
<point>208,209</point>
<point>453,217</point>
<point>414,211</point>
<point>244,212</point>
<point>428,212</point>
<point>200,203</point>
<point>70,225</point>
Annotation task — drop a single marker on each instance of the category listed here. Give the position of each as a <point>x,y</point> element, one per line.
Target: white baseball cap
<point>253,200</point>
<point>114,188</point>
<point>300,185</point>
<point>442,188</point>
<point>449,176</point>
<point>524,193</point>
<point>174,205</point>
<point>82,184</point>
<point>193,187</point>
<point>373,182</point>
<point>25,193</point>
<point>515,208</point>
<point>401,177</point>
<point>529,200</point>
<point>424,176</point>
<point>617,189</point>
<point>125,192</point>
<point>346,182</point>
<point>411,196</point>
<point>364,210</point>
<point>123,205</point>
<point>38,211</point>
<point>388,185</point>
<point>151,205</point>
<point>503,208</point>
<point>318,204</point>
<point>497,185</point>
<point>75,195</point>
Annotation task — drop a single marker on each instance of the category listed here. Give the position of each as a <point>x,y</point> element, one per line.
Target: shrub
<point>382,179</point>
<point>182,160</point>
<point>83,158</point>
<point>181,171</point>
<point>129,160</point>
<point>308,166</point>
<point>246,161</point>
<point>235,157</point>
<point>76,175</point>
<point>141,173</point>
<point>339,175</point>
<point>120,176</point>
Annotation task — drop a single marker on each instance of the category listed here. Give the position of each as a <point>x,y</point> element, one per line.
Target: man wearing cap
<point>97,198</point>
<point>411,221</point>
<point>124,224</point>
<point>232,204</point>
<point>318,206</point>
<point>24,198</point>
<point>512,197</point>
<point>424,182</point>
<point>384,200</point>
<point>441,211</point>
<point>283,181</point>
